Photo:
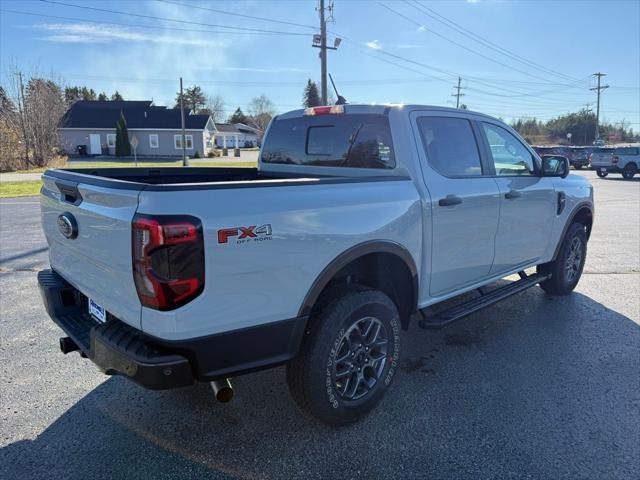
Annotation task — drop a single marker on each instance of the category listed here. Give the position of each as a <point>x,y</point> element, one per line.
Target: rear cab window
<point>451,146</point>
<point>339,140</point>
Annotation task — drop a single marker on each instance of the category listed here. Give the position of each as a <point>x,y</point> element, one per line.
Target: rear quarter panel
<point>258,282</point>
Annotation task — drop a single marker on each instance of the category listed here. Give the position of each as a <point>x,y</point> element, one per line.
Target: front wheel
<point>602,173</point>
<point>629,171</point>
<point>566,269</point>
<point>350,357</point>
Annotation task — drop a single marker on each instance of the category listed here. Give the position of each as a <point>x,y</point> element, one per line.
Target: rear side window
<point>356,141</point>
<point>626,151</point>
<point>450,146</point>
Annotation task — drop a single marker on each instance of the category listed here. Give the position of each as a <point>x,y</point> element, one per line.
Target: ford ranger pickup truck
<point>624,160</point>
<point>357,220</point>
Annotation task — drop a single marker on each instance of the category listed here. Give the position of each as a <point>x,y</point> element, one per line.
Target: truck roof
<point>380,108</point>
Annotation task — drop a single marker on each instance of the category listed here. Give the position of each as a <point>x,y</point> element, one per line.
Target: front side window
<point>153,140</point>
<point>111,140</point>
<point>355,141</point>
<point>450,146</point>
<point>509,155</point>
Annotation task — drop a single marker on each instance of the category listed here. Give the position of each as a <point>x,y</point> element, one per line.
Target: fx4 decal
<point>245,234</point>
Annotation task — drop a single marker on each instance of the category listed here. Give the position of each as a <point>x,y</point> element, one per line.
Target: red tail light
<point>168,260</point>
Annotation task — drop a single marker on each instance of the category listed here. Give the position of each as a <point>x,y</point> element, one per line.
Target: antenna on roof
<point>341,100</point>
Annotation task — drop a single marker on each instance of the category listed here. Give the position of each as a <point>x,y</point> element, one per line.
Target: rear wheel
<point>602,173</point>
<point>629,171</point>
<point>349,358</point>
<point>567,268</point>
<point>577,166</point>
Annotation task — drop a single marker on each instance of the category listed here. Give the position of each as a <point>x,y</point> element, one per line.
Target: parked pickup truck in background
<point>357,219</point>
<point>624,160</point>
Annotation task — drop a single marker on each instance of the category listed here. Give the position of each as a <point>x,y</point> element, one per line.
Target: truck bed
<point>195,178</point>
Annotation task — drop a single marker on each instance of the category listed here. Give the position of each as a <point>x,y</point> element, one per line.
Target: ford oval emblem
<point>67,225</point>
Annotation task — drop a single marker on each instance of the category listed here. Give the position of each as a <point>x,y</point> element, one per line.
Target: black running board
<point>459,311</point>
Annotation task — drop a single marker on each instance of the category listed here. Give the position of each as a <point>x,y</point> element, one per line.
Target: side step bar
<point>484,300</point>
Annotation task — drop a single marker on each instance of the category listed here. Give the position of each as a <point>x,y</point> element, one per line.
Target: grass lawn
<point>211,163</point>
<point>19,189</point>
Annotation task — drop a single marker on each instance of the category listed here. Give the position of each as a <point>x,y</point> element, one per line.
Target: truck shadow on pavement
<point>537,384</point>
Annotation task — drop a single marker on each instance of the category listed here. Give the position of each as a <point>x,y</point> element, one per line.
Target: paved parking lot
<point>535,387</point>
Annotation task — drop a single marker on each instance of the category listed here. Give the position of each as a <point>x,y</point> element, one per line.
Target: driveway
<point>535,387</point>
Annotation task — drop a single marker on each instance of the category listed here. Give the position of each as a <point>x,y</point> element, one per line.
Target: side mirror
<point>555,166</point>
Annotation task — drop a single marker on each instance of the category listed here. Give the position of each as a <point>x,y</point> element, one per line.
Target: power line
<point>475,52</point>
<point>252,17</point>
<point>487,43</point>
<point>153,27</point>
<point>152,17</point>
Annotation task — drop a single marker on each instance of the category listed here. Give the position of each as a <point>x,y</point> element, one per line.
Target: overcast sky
<point>529,58</point>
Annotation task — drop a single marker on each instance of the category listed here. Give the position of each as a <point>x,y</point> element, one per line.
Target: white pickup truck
<point>357,219</point>
<point>624,160</point>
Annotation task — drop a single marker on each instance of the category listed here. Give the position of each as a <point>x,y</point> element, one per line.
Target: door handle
<point>512,194</point>
<point>450,200</point>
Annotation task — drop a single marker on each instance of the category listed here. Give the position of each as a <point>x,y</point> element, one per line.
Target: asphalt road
<point>534,387</point>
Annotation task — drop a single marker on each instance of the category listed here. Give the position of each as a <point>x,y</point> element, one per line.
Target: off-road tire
<point>629,171</point>
<point>566,269</point>
<point>312,375</point>
<point>601,174</point>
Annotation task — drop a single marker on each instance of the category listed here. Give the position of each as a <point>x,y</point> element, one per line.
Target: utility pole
<point>458,94</point>
<point>323,54</point>
<point>185,162</point>
<point>598,89</point>
<point>320,41</point>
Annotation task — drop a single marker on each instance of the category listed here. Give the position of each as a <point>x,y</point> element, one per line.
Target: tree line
<point>581,125</point>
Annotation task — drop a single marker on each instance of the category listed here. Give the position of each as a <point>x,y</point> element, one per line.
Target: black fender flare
<point>577,209</point>
<point>351,254</point>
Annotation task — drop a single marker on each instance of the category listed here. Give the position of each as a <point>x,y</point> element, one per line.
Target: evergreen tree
<point>123,147</point>
<point>103,97</point>
<point>194,99</point>
<point>238,117</point>
<point>310,96</point>
<point>116,97</point>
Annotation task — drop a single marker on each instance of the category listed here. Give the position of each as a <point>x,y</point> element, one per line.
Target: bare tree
<point>215,106</point>
<point>44,106</point>
<point>261,110</point>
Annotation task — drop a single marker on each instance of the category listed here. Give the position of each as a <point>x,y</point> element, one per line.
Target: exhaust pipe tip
<point>67,345</point>
<point>222,390</point>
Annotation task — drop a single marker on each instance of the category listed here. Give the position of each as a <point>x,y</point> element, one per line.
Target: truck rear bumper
<point>117,348</point>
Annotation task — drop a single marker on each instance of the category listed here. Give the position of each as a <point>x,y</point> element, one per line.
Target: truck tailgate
<point>96,257</point>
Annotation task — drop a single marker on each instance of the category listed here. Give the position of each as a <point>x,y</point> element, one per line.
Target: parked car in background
<point>624,160</point>
<point>580,157</point>
<point>562,151</point>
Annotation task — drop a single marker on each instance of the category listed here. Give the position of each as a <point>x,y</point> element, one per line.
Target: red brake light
<point>324,110</point>
<point>168,260</point>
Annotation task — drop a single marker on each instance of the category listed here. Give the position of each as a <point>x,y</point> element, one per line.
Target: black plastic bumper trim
<point>117,348</point>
